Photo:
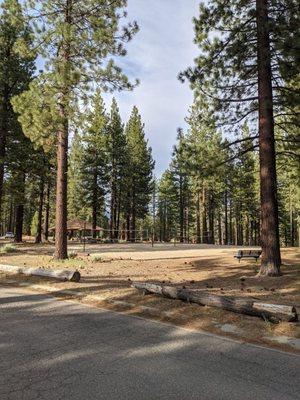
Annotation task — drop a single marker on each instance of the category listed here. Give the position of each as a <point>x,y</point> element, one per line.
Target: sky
<point>161,49</point>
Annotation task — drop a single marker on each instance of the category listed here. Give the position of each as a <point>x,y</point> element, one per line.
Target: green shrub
<point>8,248</point>
<point>96,257</point>
<point>72,254</point>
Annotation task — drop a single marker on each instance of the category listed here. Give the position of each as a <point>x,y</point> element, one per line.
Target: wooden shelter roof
<point>79,225</point>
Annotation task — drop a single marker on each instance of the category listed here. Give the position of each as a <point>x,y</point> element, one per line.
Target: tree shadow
<point>54,349</point>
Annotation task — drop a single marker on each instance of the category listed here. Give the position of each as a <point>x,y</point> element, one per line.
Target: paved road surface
<point>53,349</point>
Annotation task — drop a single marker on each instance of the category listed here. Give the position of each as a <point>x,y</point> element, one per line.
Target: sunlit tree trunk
<point>269,237</point>
<point>61,251</point>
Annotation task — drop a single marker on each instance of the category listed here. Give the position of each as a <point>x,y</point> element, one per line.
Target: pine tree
<point>202,154</point>
<point>180,180</point>
<point>75,38</point>
<point>94,170</point>
<point>243,45</point>
<point>76,178</point>
<point>138,172</point>
<point>168,207</point>
<point>289,197</point>
<point>24,163</point>
<point>244,192</point>
<point>116,153</point>
<point>16,69</point>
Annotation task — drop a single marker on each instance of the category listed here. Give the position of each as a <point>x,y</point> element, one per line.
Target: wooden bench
<point>247,254</point>
<point>88,239</point>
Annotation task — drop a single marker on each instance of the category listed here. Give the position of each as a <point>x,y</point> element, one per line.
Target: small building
<point>78,228</point>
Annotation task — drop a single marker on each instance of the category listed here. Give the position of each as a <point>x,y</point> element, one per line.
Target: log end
<point>76,277</point>
<point>294,317</point>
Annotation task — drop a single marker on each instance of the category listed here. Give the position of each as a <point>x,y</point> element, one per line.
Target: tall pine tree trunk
<point>118,215</point>
<point>204,220</point>
<point>270,259</point>
<point>211,218</point>
<point>255,233</point>
<point>198,219</point>
<point>19,216</point>
<point>3,136</point>
<point>38,238</point>
<point>133,217</point>
<point>133,225</point>
<point>95,204</point>
<point>225,218</point>
<point>292,230</point>
<point>61,251</point>
<point>19,223</point>
<point>230,223</point>
<point>181,209</point>
<point>112,211</point>
<point>165,221</point>
<point>61,243</point>
<point>11,216</point>
<point>127,226</point>
<point>188,222</point>
<point>219,228</point>
<point>238,226</point>
<point>47,211</point>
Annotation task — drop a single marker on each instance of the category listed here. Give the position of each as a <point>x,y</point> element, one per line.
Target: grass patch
<point>96,258</point>
<point>8,248</point>
<point>72,255</point>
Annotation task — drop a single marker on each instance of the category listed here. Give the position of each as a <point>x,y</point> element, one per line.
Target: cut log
<point>250,306</point>
<point>61,274</point>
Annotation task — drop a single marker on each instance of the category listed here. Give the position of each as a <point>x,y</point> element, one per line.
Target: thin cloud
<point>163,47</point>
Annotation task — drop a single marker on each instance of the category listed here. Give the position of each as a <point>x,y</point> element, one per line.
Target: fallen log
<point>249,306</point>
<point>61,274</point>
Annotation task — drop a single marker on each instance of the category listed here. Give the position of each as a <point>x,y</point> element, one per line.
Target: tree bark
<point>61,250</point>
<point>204,221</point>
<point>127,231</point>
<point>181,208</point>
<point>95,204</point>
<point>187,234</point>
<point>198,219</point>
<point>10,222</point>
<point>211,218</point>
<point>19,223</point>
<point>230,223</point>
<point>133,225</point>
<point>165,221</point>
<point>154,212</point>
<point>118,213</point>
<point>38,238</point>
<point>47,211</point>
<point>3,136</point>
<point>226,218</point>
<point>219,228</point>
<point>292,231</point>
<point>112,211</point>
<point>270,259</point>
<point>20,209</point>
<point>271,312</point>
<point>113,192</point>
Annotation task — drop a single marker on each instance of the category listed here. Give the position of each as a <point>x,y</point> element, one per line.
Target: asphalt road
<point>54,349</point>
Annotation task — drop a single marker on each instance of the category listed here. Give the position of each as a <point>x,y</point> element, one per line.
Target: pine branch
<point>239,154</point>
<point>289,153</point>
<point>228,100</point>
<point>227,146</point>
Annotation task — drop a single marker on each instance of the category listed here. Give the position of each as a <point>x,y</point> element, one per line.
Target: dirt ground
<point>108,270</point>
